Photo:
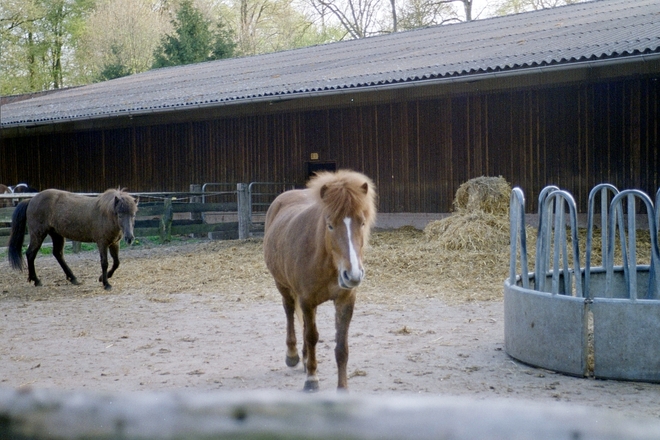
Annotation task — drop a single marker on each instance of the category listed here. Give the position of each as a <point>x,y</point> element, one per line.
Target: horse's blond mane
<point>106,201</point>
<point>343,194</point>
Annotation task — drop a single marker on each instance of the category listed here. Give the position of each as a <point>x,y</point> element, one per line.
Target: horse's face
<point>345,240</point>
<point>126,209</point>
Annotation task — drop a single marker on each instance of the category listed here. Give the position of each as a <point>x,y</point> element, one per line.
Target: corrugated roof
<point>596,30</point>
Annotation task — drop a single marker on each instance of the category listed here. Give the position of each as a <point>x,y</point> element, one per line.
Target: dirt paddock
<point>205,315</point>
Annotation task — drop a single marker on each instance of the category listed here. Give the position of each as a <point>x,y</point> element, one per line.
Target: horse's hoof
<point>311,386</point>
<point>75,282</point>
<point>107,287</point>
<point>292,361</point>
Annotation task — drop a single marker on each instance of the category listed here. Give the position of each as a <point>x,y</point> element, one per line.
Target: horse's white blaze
<point>355,273</point>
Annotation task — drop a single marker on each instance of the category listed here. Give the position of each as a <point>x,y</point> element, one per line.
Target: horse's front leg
<point>114,253</point>
<point>103,250</point>
<point>58,253</point>
<point>343,314</point>
<point>292,359</point>
<point>311,337</point>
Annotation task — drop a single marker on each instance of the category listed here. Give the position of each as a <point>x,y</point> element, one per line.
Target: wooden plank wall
<point>418,152</point>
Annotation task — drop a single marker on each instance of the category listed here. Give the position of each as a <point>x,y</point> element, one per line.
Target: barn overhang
<point>537,77</point>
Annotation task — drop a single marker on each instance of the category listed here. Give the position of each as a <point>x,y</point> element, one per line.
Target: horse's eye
<point>330,228</point>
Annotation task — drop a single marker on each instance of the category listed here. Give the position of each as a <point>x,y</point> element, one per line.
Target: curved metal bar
<point>517,229</point>
<point>543,239</point>
<point>561,199</point>
<point>603,190</point>
<point>629,246</point>
<point>657,208</point>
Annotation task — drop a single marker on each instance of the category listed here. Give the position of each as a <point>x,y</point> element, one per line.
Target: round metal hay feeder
<point>602,321</point>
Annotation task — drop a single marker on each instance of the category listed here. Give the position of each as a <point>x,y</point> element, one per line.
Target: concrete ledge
<point>385,220</point>
<point>48,414</point>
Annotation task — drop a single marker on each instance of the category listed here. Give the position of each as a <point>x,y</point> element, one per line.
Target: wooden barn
<point>567,96</point>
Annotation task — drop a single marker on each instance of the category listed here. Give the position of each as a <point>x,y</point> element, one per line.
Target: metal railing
<point>571,315</point>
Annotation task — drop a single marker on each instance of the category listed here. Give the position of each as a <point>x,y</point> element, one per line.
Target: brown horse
<point>313,244</point>
<point>4,189</point>
<point>20,188</point>
<point>60,214</point>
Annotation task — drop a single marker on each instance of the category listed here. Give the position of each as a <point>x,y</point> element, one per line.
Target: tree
<point>516,6</point>
<point>194,39</point>
<point>121,38</point>
<point>38,38</point>
<point>421,13</point>
<point>272,25</point>
<point>359,18</point>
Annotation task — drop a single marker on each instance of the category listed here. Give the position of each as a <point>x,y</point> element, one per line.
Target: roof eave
<point>591,69</point>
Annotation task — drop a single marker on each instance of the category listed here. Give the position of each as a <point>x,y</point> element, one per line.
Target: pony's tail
<point>18,222</point>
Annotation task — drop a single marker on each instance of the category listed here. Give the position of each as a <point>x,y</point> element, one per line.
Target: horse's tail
<point>18,222</point>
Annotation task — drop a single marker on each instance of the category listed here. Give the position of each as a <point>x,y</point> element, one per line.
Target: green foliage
<point>36,35</point>
<point>194,40</point>
<point>114,69</point>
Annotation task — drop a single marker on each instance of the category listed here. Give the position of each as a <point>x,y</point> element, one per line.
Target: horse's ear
<point>324,188</point>
<point>365,187</point>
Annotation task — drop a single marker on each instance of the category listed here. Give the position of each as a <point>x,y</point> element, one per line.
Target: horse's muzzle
<point>350,280</point>
<point>129,239</point>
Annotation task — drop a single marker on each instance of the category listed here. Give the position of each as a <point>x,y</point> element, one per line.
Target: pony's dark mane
<point>106,202</point>
<point>343,195</point>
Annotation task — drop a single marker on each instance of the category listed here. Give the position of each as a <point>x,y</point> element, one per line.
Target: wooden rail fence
<point>234,214</point>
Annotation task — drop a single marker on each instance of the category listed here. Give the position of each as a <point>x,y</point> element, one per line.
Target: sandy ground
<point>206,316</point>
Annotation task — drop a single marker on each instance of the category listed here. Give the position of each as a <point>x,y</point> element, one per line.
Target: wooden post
<point>244,211</point>
<point>197,217</point>
<point>76,246</point>
<point>166,221</point>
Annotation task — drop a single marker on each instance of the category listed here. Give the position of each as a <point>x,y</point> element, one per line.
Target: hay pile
<point>484,194</point>
<point>481,218</point>
<point>473,243</point>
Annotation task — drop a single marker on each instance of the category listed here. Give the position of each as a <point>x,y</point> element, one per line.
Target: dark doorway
<point>314,167</point>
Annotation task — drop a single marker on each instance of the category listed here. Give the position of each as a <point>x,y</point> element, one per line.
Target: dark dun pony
<point>60,214</point>
<point>313,245</point>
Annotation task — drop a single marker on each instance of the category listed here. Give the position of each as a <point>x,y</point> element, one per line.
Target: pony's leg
<point>343,314</point>
<point>103,251</point>
<point>311,337</point>
<point>114,253</point>
<point>292,359</point>
<point>58,253</point>
<point>31,254</point>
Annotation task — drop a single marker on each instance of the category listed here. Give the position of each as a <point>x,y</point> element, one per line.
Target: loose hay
<point>461,258</point>
<point>400,264</point>
<point>471,231</point>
